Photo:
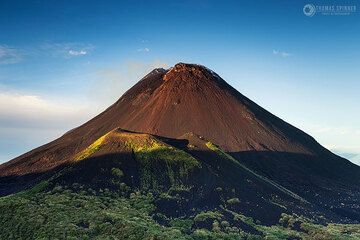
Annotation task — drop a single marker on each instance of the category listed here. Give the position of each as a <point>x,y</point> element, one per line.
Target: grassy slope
<point>159,162</point>
<point>149,152</point>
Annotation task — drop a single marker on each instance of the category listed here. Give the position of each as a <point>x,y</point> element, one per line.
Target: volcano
<point>170,103</point>
<point>205,134</point>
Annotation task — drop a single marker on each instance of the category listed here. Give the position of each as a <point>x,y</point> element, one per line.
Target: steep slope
<point>191,98</point>
<point>356,159</point>
<point>186,98</point>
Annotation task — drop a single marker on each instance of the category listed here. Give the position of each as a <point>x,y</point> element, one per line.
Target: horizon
<point>62,64</point>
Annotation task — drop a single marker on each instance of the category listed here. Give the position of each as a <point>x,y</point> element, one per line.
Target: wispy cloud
<point>143,50</point>
<point>335,137</point>
<point>143,40</point>
<point>335,130</point>
<point>12,55</point>
<point>23,110</point>
<point>9,55</point>
<point>67,50</point>
<point>77,53</point>
<point>28,120</point>
<point>281,53</point>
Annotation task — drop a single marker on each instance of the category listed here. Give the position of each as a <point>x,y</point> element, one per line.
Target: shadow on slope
<point>332,186</point>
<point>217,181</point>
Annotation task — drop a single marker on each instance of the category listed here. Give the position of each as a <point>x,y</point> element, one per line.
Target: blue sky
<point>62,62</point>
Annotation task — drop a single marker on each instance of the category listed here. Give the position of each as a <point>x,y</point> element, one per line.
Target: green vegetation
<point>40,187</point>
<point>233,201</point>
<point>162,165</point>
<point>215,148</point>
<point>94,147</point>
<point>184,225</point>
<point>117,172</point>
<point>316,231</point>
<point>153,149</point>
<point>219,151</point>
<point>153,155</point>
<point>61,213</point>
<point>225,155</point>
<point>203,216</point>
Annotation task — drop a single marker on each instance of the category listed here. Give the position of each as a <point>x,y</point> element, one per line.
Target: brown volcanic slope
<point>186,98</point>
<point>170,103</point>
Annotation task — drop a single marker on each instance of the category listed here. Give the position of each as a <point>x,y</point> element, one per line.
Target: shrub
<point>182,224</point>
<point>233,201</point>
<point>117,172</point>
<point>207,215</point>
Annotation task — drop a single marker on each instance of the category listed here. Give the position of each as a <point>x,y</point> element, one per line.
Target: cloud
<point>12,55</point>
<point>346,153</point>
<point>142,40</point>
<point>29,120</point>
<point>112,82</point>
<point>338,138</point>
<point>67,50</point>
<point>341,140</point>
<point>77,53</point>
<point>16,141</point>
<point>19,110</point>
<point>335,130</point>
<point>9,55</point>
<point>281,54</point>
<point>143,50</point>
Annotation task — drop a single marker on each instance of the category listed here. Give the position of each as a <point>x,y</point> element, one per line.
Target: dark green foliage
<point>183,225</point>
<point>61,213</point>
<point>233,201</point>
<point>203,216</point>
<point>117,172</point>
<point>40,187</point>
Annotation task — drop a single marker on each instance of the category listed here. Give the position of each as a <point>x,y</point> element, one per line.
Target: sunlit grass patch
<point>94,147</point>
